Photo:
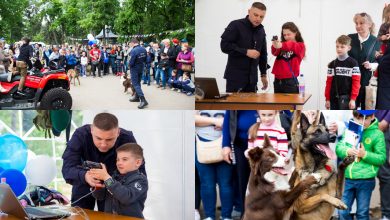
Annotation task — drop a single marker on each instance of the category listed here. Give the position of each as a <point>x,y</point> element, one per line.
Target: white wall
<point>167,138</point>
<point>320,22</point>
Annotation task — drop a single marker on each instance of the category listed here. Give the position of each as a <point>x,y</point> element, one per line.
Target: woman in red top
<point>289,53</point>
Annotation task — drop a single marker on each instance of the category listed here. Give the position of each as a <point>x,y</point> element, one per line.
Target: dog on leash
<point>73,75</point>
<point>126,82</point>
<point>313,156</point>
<point>269,196</point>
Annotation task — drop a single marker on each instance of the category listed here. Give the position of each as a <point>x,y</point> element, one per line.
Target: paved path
<point>107,93</point>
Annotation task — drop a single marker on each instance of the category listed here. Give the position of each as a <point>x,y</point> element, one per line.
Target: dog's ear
<point>267,142</point>
<point>322,120</point>
<point>255,154</point>
<point>304,123</point>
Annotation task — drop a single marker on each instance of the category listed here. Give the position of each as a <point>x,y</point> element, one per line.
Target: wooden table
<point>93,215</point>
<point>249,101</point>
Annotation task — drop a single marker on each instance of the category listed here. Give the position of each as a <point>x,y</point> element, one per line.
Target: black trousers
<point>197,189</point>
<point>234,86</point>
<point>286,86</point>
<point>243,169</point>
<point>361,99</point>
<point>384,180</point>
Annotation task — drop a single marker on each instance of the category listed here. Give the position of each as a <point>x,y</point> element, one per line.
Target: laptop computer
<point>10,204</point>
<point>209,87</point>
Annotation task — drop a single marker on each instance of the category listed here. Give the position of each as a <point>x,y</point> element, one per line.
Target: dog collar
<point>328,168</point>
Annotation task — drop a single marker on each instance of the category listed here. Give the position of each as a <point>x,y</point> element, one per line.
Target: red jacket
<point>290,51</point>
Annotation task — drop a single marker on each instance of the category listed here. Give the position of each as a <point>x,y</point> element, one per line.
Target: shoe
<point>84,76</point>
<point>173,89</point>
<point>197,215</point>
<point>178,90</point>
<point>134,98</point>
<point>162,88</point>
<point>101,76</point>
<point>143,103</point>
<point>236,214</point>
<point>209,218</point>
<point>189,93</point>
<point>158,86</point>
<point>9,77</point>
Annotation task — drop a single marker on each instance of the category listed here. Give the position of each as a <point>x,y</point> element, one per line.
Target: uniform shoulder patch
<point>138,186</point>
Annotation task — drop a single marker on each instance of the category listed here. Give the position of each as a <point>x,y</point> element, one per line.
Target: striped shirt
<point>277,136</point>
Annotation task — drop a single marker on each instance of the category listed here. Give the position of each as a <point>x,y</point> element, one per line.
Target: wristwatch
<point>109,182</point>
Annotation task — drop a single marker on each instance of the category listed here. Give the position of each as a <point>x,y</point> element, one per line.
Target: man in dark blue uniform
<point>244,42</point>
<point>137,64</point>
<point>98,143</point>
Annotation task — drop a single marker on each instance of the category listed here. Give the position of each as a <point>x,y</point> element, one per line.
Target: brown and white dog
<point>73,75</point>
<point>313,156</point>
<point>269,196</point>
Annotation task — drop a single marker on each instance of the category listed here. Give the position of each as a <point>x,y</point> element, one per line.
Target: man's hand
<point>227,151</point>
<point>352,104</point>
<point>327,105</point>
<point>264,81</point>
<point>251,53</point>
<point>367,65</point>
<point>92,181</point>
<point>100,174</point>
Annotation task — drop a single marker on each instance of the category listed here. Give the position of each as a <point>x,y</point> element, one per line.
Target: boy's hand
<point>92,181</point>
<point>327,105</point>
<point>361,152</point>
<point>352,104</point>
<point>100,174</point>
<point>352,152</point>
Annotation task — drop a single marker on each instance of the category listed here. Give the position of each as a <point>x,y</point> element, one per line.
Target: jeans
<point>146,75</point>
<point>360,190</point>
<point>161,73</point>
<point>113,65</point>
<point>83,69</point>
<point>210,175</point>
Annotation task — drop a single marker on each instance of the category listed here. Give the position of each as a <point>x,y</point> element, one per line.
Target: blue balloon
<point>90,43</point>
<point>13,152</point>
<point>16,180</point>
<point>1,169</point>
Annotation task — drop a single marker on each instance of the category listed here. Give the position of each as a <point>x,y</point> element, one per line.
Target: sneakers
<point>162,88</point>
<point>189,93</point>
<point>173,89</point>
<point>197,216</point>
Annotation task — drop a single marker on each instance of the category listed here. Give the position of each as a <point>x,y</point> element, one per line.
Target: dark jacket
<point>126,196</point>
<point>137,58</point>
<point>361,55</point>
<point>171,54</point>
<point>239,36</point>
<point>383,96</point>
<point>80,148</point>
<point>26,52</point>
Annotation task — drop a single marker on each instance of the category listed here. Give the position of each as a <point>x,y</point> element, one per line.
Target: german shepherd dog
<point>313,156</point>
<point>73,75</point>
<point>269,196</point>
<point>126,82</point>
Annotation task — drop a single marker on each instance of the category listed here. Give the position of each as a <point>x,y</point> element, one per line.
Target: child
<point>174,81</point>
<point>187,85</point>
<point>126,190</point>
<point>289,53</point>
<point>268,125</point>
<point>162,70</point>
<point>360,175</point>
<point>343,81</point>
<point>84,63</point>
<point>148,65</point>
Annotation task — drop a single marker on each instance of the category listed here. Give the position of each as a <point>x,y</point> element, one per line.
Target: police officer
<point>23,60</point>
<point>137,63</point>
<point>244,42</point>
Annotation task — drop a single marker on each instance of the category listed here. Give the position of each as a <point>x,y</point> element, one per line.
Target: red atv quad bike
<point>45,89</point>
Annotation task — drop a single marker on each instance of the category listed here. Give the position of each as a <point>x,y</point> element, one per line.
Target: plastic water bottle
<point>301,85</point>
<point>3,180</point>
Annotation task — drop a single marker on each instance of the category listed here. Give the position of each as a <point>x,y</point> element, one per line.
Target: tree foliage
<point>58,21</point>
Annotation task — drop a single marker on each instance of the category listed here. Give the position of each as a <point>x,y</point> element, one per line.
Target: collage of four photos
<point>160,109</point>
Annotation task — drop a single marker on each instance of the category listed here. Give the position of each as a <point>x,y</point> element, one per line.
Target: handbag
<point>209,151</point>
<point>342,100</point>
<point>186,67</point>
<point>371,92</point>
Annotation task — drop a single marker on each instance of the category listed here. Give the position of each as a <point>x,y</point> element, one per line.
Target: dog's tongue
<point>329,153</point>
<point>279,170</point>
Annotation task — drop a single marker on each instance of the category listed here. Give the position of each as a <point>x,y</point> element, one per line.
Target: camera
<point>87,165</point>
<point>275,37</point>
